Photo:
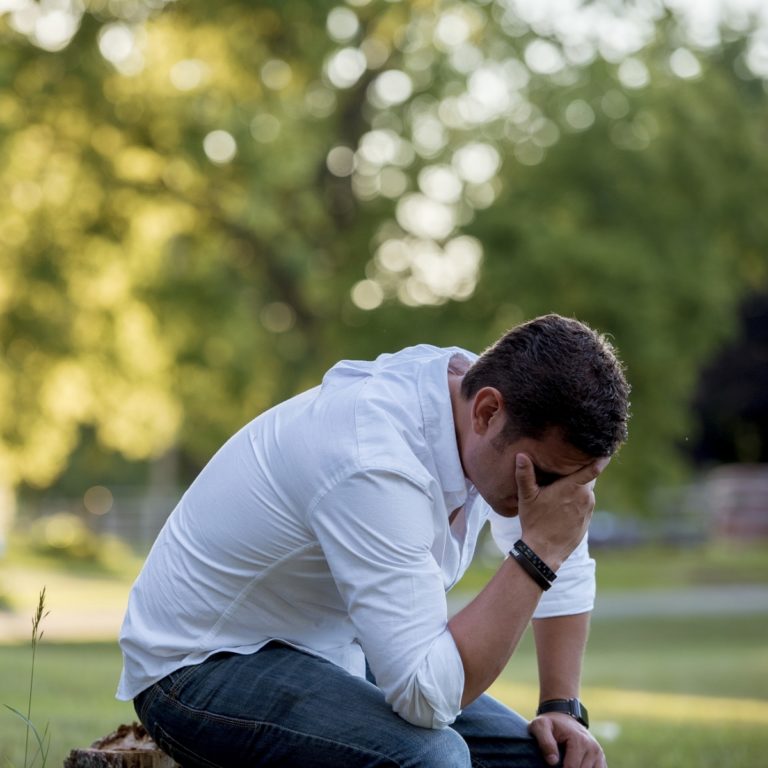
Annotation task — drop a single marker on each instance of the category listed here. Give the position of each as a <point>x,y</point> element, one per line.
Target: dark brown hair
<point>557,373</point>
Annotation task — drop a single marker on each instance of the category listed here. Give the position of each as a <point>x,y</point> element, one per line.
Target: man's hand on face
<point>554,518</point>
<point>555,730</point>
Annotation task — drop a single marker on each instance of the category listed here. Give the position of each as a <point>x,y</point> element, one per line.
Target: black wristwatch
<point>572,707</point>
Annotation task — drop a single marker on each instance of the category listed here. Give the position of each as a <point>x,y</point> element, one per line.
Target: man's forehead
<point>553,455</point>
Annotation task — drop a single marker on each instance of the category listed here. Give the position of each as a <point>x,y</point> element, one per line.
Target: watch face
<point>580,712</point>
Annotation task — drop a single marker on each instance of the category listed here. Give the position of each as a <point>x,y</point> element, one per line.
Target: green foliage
<point>63,541</point>
<point>66,536</point>
<point>200,213</point>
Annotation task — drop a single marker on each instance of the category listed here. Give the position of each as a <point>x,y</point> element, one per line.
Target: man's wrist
<point>530,569</point>
<point>549,554</point>
<point>572,707</point>
<point>533,565</point>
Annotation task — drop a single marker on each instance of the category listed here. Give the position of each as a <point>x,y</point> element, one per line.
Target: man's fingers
<point>543,732</point>
<point>581,750</point>
<point>525,475</point>
<point>589,473</point>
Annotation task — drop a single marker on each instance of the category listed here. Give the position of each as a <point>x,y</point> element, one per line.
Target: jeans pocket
<point>176,680</point>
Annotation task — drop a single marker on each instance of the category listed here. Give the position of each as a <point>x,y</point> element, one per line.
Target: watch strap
<point>572,707</point>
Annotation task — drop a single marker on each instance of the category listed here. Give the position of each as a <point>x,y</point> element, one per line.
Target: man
<point>292,611</point>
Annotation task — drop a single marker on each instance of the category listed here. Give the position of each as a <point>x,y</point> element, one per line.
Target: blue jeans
<point>282,707</point>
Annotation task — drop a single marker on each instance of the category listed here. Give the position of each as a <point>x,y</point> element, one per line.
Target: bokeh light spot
<point>684,64</point>
<point>579,115</point>
<point>424,217</point>
<point>391,88</point>
<point>633,73</point>
<point>441,183</point>
<point>188,74</point>
<point>341,161</point>
<point>477,162</point>
<point>367,294</point>
<point>265,128</point>
<point>220,147</point>
<point>277,317</point>
<point>346,67</point>
<point>544,57</point>
<point>342,24</point>
<point>276,74</point>
<point>98,500</point>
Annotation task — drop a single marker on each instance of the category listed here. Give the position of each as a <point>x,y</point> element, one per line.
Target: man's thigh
<point>282,707</point>
<point>497,736</point>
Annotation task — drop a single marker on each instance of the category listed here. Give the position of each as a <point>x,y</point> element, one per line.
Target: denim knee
<point>446,749</point>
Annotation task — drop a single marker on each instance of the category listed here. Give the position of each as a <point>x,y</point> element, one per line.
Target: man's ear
<point>487,406</point>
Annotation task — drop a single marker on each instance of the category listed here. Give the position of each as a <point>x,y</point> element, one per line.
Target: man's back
<point>244,558</point>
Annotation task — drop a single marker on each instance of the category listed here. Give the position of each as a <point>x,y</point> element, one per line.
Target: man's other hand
<point>555,731</point>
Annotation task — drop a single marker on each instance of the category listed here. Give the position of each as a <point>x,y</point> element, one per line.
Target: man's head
<point>556,374</point>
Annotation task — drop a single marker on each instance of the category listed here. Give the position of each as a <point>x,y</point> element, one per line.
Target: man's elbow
<point>425,709</point>
<point>424,716</point>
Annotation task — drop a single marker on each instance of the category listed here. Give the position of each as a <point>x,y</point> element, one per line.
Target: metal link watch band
<point>572,707</point>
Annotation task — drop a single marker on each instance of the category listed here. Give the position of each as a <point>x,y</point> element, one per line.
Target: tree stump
<point>130,746</point>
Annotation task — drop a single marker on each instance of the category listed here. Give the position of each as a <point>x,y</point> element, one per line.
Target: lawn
<point>663,692</point>
<point>667,693</point>
<point>73,694</point>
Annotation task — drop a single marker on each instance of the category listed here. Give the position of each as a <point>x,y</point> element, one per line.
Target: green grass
<point>696,655</point>
<point>663,692</point>
<point>668,692</point>
<point>651,666</point>
<point>73,694</point>
<point>673,567</point>
<point>658,745</point>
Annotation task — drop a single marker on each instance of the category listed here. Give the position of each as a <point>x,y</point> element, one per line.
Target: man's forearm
<point>488,629</point>
<point>553,521</point>
<point>560,644</point>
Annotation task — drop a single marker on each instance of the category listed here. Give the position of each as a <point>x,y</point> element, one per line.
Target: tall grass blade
<point>40,614</point>
<point>42,740</point>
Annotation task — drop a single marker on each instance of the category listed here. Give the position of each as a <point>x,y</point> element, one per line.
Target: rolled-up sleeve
<point>377,530</point>
<point>574,588</point>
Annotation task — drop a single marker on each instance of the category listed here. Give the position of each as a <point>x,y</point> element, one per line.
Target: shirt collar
<point>439,427</point>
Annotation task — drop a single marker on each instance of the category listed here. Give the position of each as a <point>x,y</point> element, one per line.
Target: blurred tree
<point>653,216</point>
<point>205,205</point>
<point>732,394</point>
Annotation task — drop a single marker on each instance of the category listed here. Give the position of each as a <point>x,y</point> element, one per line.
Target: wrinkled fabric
<point>324,524</point>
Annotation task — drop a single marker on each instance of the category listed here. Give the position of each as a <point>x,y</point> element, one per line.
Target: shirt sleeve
<point>573,591</point>
<point>377,530</point>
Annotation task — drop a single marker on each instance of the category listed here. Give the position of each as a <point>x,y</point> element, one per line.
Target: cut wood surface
<point>130,746</point>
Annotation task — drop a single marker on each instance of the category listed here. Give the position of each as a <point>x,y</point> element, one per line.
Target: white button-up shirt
<point>324,523</point>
